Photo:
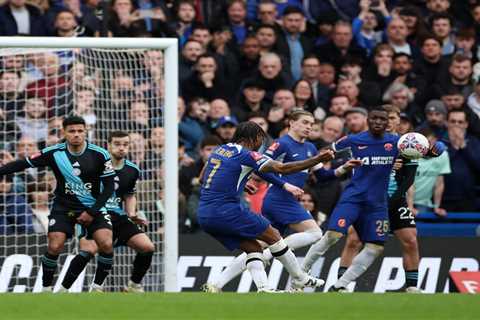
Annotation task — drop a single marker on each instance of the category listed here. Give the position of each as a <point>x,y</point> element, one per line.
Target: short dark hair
<point>292,9</point>
<point>117,134</point>
<point>248,132</point>
<point>402,54</point>
<point>256,114</point>
<point>380,108</point>
<point>430,37</point>
<point>458,111</point>
<point>210,141</point>
<point>71,120</point>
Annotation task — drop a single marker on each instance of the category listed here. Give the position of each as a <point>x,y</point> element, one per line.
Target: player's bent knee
<point>55,248</point>
<point>315,232</point>
<point>271,236</point>
<point>353,243</point>
<point>105,245</point>
<point>147,247</point>
<point>410,243</point>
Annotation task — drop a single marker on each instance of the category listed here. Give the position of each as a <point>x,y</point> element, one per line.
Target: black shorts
<point>61,221</point>
<point>400,216</point>
<point>123,229</point>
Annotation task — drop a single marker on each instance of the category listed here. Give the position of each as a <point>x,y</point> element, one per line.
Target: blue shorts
<point>284,212</point>
<point>231,224</point>
<point>370,221</point>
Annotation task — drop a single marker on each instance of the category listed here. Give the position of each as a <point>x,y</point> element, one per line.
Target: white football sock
<point>282,253</point>
<point>362,261</point>
<point>319,248</point>
<point>236,267</point>
<point>257,269</point>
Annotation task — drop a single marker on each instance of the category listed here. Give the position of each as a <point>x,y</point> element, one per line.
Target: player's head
<point>377,120</point>
<point>300,123</point>
<point>249,134</point>
<point>75,130</point>
<point>393,118</point>
<point>118,144</point>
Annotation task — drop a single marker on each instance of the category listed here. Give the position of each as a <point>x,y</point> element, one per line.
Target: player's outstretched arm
<point>296,166</point>
<point>14,166</point>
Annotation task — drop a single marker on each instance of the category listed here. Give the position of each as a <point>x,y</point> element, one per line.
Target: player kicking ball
<point>400,202</point>
<point>80,168</point>
<point>126,223</point>
<point>281,207</point>
<point>221,215</point>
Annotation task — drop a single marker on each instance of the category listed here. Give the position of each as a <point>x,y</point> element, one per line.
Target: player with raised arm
<point>80,168</point>
<point>400,205</point>
<point>281,207</point>
<point>126,223</point>
<point>363,203</point>
<point>221,215</point>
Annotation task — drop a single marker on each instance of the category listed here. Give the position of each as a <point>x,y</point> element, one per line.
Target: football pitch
<point>239,306</point>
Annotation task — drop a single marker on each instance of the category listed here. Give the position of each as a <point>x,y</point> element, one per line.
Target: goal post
<point>169,46</point>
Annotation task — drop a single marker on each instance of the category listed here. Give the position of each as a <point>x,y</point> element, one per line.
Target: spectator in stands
<point>436,118</point>
<point>397,33</point>
<point>34,124</point>
<point>138,153</point>
<point>202,34</point>
<point>155,151</point>
<point>87,21</point>
<point>465,44</point>
<point>310,203</point>
<point>293,44</point>
<point>464,153</point>
<point>437,6</point>
<point>473,100</point>
<point>226,127</point>
<point>267,38</point>
<point>55,131</point>
<point>149,83</point>
<point>441,24</point>
<point>363,26</point>
<point>271,75</point>
<point>20,18</point>
<point>380,73</point>
<point>459,76</point>
<point>350,89</point>
<point>15,213</point>
<point>327,85</point>
<point>85,106</point>
<point>356,120</point>
<point>218,108</point>
<point>53,85</point>
<point>66,25</point>
<point>139,120</point>
<point>190,52</point>
<point>400,96</point>
<point>415,22</point>
<point>251,100</point>
<point>267,15</point>
<point>310,71</point>
<point>249,58</point>
<point>237,20</point>
<point>205,82</point>
<point>15,63</point>
<point>332,130</point>
<point>11,99</point>
<point>193,126</point>
<point>431,64</point>
<point>341,46</point>
<point>303,93</point>
<point>405,125</point>
<point>39,202</point>
<point>283,103</point>
<point>430,179</point>
<point>185,20</point>
<point>260,119</point>
<point>454,100</point>
<point>339,105</point>
<point>403,69</point>
<point>476,18</point>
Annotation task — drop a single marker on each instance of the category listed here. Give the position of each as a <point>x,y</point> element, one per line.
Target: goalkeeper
<point>80,168</point>
<point>126,222</point>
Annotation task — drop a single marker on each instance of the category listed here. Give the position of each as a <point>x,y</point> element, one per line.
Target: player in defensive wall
<point>127,231</point>
<point>80,168</point>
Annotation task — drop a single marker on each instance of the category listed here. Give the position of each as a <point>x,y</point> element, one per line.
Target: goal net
<point>112,89</point>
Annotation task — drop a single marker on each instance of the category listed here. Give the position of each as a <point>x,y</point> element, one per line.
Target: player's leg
<point>353,245</point>
<point>255,263</point>
<point>87,250</point>
<point>342,217</point>
<point>281,252</point>
<point>362,261</point>
<point>411,256</point>
<point>145,248</point>
<point>372,226</point>
<point>60,228</point>
<point>101,231</point>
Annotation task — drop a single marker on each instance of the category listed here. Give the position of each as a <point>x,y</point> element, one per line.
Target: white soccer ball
<point>413,145</point>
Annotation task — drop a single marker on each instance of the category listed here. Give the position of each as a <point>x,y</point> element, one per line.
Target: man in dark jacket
<point>19,18</point>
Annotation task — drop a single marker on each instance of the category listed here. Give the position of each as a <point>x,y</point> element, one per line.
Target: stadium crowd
<point>252,60</point>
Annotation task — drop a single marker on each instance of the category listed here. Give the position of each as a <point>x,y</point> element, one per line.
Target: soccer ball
<point>413,145</point>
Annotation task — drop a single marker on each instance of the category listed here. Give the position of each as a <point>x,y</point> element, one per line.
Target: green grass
<point>239,306</point>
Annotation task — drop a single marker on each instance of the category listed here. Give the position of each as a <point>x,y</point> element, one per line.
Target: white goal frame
<point>170,47</point>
